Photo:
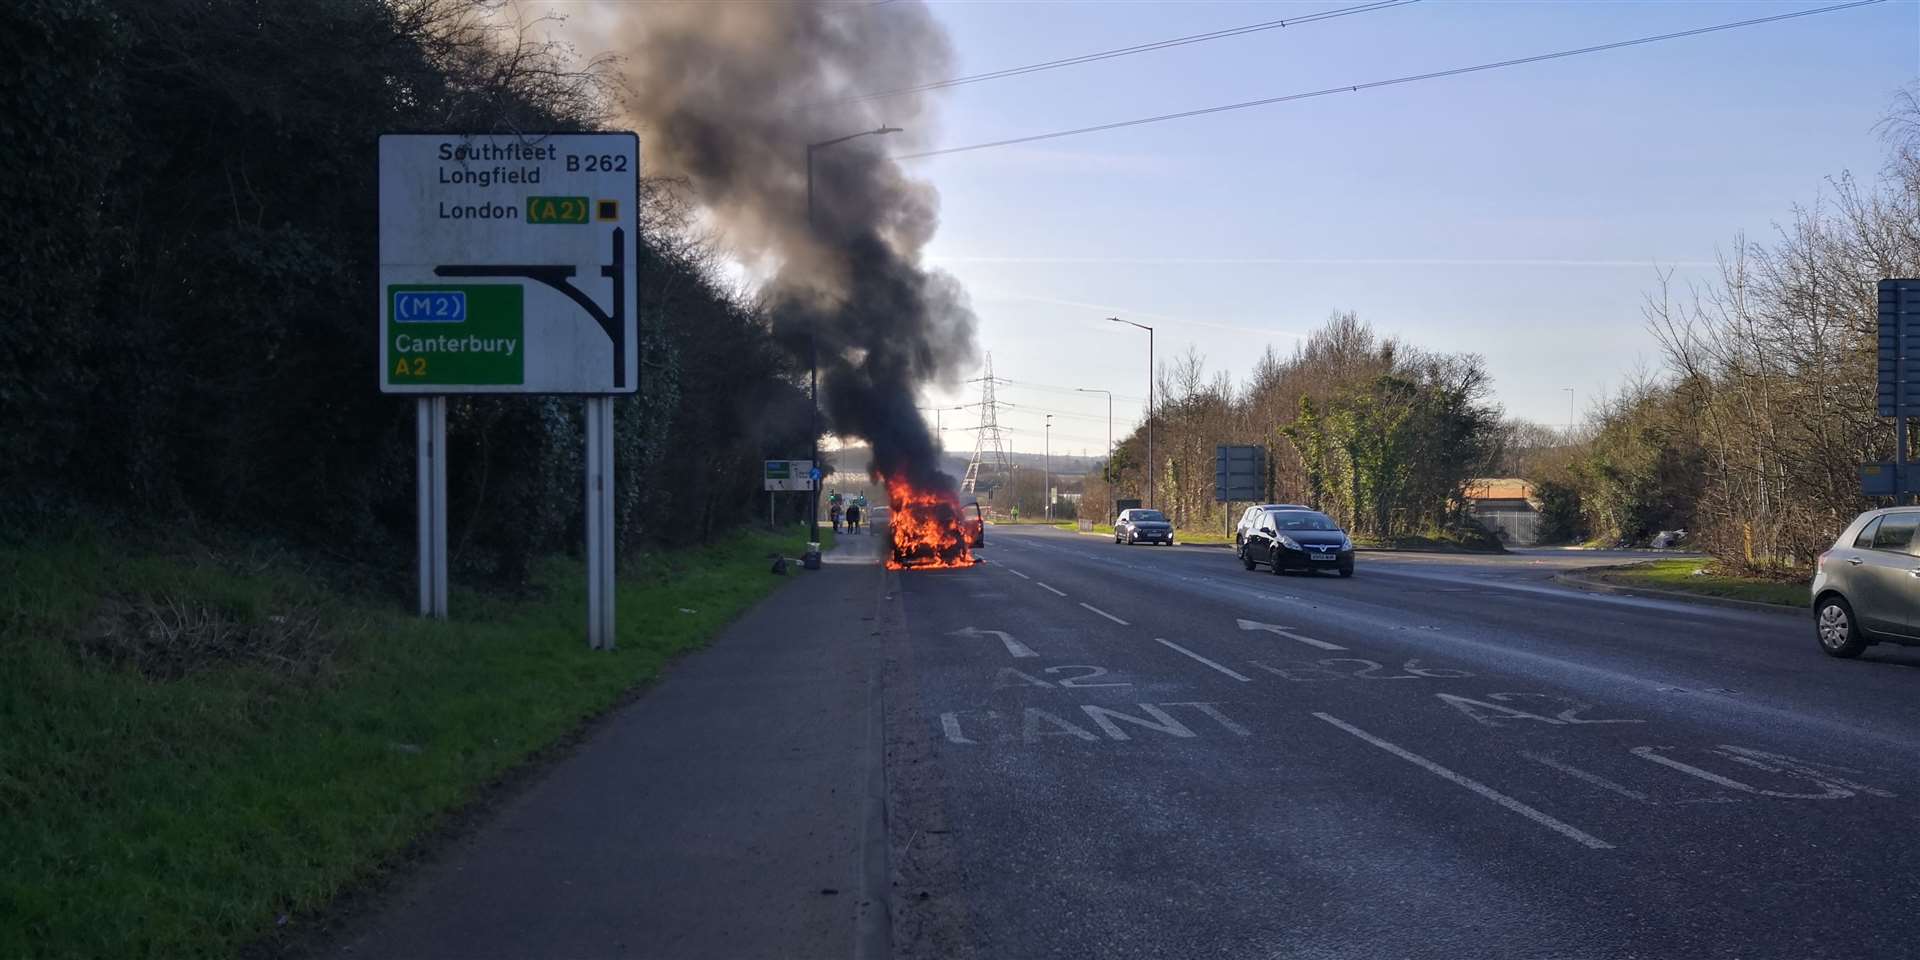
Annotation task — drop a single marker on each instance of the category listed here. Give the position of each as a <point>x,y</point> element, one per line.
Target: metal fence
<point>1515,528</point>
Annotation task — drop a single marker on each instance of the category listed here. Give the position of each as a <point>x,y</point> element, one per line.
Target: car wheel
<point>1274,560</point>
<point>1346,571</point>
<point>1834,625</point>
<point>1246,559</point>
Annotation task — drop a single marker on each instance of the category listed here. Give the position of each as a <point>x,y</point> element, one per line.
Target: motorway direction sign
<point>790,475</point>
<point>1239,473</point>
<point>508,263</point>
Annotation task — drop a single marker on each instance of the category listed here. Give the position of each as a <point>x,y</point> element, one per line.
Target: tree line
<point>188,286</point>
<point>1379,434</point>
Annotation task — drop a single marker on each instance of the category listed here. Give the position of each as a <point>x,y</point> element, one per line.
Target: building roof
<point>1499,488</point>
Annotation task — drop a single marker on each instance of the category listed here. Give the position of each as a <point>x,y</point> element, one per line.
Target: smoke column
<point>729,95</point>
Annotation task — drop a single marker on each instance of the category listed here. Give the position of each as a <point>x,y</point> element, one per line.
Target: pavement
<point>1082,749</point>
<point>733,811</point>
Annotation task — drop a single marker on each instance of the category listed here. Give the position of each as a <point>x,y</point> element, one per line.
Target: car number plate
<point>1322,556</point>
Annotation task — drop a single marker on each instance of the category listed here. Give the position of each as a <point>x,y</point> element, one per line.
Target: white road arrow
<point>1014,647</point>
<point>1283,631</point>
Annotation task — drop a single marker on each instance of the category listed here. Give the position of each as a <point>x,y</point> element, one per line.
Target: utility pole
<point>1149,331</point>
<point>811,557</point>
<point>1046,484</point>
<point>1569,391</point>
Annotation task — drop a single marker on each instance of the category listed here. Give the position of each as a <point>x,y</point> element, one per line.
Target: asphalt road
<point>1107,751</point>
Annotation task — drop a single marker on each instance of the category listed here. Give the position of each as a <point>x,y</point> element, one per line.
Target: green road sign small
<point>467,334</point>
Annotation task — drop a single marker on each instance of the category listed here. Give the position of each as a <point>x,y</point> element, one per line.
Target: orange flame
<point>927,526</point>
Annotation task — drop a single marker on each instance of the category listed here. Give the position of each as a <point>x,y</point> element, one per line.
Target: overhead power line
<point>1137,48</point>
<point>1357,87</point>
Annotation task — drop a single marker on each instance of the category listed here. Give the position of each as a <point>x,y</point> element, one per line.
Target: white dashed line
<point>1567,830</point>
<point>1109,616</point>
<point>1016,573</point>
<point>1056,592</point>
<point>1237,676</point>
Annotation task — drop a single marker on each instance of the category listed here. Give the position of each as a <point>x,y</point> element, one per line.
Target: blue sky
<point>1519,213</point>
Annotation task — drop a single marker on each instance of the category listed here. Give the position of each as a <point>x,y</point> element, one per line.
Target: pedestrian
<point>834,512</point>
<point>853,518</point>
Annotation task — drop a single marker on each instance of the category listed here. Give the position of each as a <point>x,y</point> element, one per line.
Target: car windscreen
<point>1302,520</point>
<point>1152,516</point>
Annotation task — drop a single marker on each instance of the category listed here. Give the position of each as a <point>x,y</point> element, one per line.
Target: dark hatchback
<point>1297,540</point>
<point>1142,526</point>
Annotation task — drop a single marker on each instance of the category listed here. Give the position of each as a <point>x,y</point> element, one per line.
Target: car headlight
<point>1289,542</point>
<point>1346,543</point>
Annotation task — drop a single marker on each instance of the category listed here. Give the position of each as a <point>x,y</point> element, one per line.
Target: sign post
<point>508,265</point>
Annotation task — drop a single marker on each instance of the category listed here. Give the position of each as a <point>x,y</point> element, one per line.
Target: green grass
<point>1680,576</point>
<point>173,797</point>
<point>1179,535</point>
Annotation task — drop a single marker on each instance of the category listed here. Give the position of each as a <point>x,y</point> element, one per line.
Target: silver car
<point>1867,588</point>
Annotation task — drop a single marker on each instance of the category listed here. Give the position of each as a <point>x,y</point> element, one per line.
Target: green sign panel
<point>456,334</point>
<point>556,209</point>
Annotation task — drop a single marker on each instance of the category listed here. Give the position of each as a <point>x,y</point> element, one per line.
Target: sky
<point>1522,214</point>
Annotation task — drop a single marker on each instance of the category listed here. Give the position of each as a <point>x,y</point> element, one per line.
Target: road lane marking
<point>950,725</point>
<point>1579,774</point>
<point>1013,646</point>
<point>1103,613</point>
<point>1290,635</point>
<point>1567,830</point>
<point>1237,676</point>
<point>1016,573</point>
<point>1055,592</point>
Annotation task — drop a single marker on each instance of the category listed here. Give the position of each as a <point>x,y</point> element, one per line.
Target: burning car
<point>928,526</point>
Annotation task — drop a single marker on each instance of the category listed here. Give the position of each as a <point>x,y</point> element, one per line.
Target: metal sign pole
<point>599,520</point>
<point>430,502</point>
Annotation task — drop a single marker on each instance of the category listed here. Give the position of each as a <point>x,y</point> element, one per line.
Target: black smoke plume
<point>728,96</point>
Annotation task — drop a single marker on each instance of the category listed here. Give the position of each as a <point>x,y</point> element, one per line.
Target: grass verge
<point>1179,536</point>
<point>1683,576</point>
<point>199,744</point>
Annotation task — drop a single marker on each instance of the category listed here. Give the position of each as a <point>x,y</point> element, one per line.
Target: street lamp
<point>1149,331</point>
<point>1046,483</point>
<point>939,431</point>
<point>1109,469</point>
<point>813,342</point>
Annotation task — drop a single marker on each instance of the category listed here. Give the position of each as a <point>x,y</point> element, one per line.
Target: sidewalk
<point>733,811</point>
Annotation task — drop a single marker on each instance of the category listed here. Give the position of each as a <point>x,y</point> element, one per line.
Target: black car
<point>1142,526</point>
<point>1296,539</point>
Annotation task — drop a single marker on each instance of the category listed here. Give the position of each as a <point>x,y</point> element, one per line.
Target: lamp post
<point>813,348</point>
<point>1046,482</point>
<point>940,432</point>
<point>1149,331</point>
<point>1108,473</point>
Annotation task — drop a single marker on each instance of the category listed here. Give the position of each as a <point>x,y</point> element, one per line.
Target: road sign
<point>1898,394</point>
<point>508,263</point>
<point>1239,473</point>
<point>790,475</point>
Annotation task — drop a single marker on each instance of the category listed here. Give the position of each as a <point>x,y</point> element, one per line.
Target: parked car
<point>1295,538</point>
<point>1866,589</point>
<point>1250,518</point>
<point>1142,526</point>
